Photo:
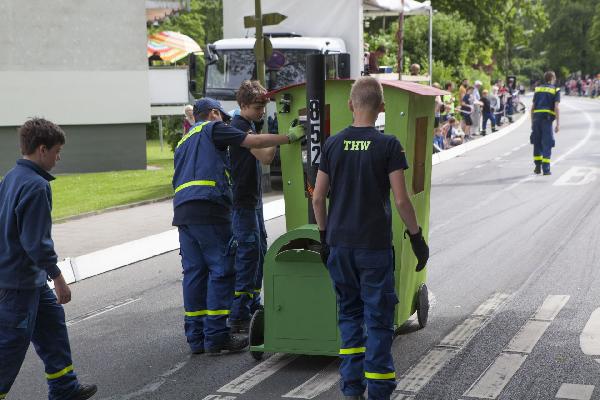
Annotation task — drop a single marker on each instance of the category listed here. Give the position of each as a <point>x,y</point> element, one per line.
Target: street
<point>515,288</point>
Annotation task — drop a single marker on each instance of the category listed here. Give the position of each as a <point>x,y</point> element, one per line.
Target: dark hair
<point>200,116</point>
<point>380,49</point>
<point>447,85</point>
<point>251,92</point>
<point>37,132</point>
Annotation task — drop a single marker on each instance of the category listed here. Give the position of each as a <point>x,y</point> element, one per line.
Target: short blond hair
<point>366,94</point>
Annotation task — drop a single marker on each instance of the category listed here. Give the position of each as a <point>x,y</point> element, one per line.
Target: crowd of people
<point>465,113</point>
<point>588,86</point>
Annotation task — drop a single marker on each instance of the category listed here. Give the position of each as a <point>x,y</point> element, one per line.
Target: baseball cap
<point>478,83</point>
<point>206,104</point>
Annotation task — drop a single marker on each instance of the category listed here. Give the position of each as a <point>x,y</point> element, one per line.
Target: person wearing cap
<point>202,214</point>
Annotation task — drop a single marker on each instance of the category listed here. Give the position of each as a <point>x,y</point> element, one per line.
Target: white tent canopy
<point>393,7</point>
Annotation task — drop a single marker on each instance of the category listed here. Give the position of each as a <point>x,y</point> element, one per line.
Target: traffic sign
<point>267,19</point>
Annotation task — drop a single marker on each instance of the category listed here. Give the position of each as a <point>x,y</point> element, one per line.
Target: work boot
<point>494,130</point>
<point>538,169</point>
<point>239,325</point>
<point>233,344</point>
<point>547,172</point>
<point>84,392</point>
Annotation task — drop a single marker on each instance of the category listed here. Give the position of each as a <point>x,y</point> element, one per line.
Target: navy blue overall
<point>358,161</point>
<point>29,312</point>
<point>207,249</point>
<point>248,226</point>
<point>542,136</point>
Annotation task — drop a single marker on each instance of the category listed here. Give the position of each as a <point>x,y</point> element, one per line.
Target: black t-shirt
<point>204,212</point>
<point>245,171</point>
<point>358,162</point>
<point>487,107</point>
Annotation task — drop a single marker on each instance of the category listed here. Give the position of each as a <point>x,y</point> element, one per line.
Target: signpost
<point>263,47</point>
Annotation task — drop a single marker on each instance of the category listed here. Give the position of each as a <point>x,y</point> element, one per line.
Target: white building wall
<point>75,62</point>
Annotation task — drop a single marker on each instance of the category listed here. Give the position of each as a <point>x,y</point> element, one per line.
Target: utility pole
<point>259,48</point>
<point>400,38</point>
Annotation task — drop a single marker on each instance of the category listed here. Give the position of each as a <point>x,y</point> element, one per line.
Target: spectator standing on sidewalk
<point>30,312</point>
<point>248,222</point>
<point>202,214</point>
<point>487,112</point>
<point>358,227</point>
<point>476,115</point>
<point>466,108</point>
<point>448,100</point>
<point>188,118</point>
<point>374,57</point>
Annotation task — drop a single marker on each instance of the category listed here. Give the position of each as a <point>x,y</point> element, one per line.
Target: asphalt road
<point>514,272</point>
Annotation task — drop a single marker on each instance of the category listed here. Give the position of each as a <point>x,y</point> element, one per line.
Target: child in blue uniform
<point>202,214</point>
<point>543,113</point>
<point>358,167</point>
<point>30,312</point>
<point>248,223</point>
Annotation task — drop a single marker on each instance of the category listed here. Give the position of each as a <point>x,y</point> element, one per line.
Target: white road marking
<point>400,396</point>
<point>103,310</point>
<point>508,153</point>
<point>578,176</point>
<point>319,383</point>
<point>590,132</point>
<point>589,340</point>
<point>218,397</point>
<point>491,383</point>
<point>479,166</point>
<point>528,336</point>
<point>420,375</point>
<point>516,149</point>
<point>575,392</point>
<point>551,307</point>
<point>494,379</point>
<point>258,374</point>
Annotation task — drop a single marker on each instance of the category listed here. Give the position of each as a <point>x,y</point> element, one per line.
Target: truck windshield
<point>285,67</point>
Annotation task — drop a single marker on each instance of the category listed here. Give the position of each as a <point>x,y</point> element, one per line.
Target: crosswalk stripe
<point>420,375</point>
<point>589,340</point>
<point>258,374</point>
<point>319,383</point>
<point>494,379</point>
<point>491,383</point>
<point>551,307</point>
<point>218,397</point>
<point>400,396</point>
<point>575,392</point>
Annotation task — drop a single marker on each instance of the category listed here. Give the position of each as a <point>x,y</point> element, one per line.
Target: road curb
<point>98,262</point>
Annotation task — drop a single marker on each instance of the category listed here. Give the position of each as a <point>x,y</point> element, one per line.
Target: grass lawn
<point>81,193</point>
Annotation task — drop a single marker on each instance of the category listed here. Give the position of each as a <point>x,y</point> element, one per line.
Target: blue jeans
<point>364,286</point>
<point>207,256</point>
<point>488,116</point>
<point>251,236</point>
<point>34,316</point>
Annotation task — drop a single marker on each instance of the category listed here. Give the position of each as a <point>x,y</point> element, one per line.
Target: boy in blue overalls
<point>358,167</point>
<point>29,311</point>
<point>248,222</point>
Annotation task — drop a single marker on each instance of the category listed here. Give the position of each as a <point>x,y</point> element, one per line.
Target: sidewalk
<point>92,245</point>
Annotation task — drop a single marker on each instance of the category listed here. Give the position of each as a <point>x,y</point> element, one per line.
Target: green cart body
<point>300,308</point>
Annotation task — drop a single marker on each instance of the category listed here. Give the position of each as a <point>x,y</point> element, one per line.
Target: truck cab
<point>230,61</point>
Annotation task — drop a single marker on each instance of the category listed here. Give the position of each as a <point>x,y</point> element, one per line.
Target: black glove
<point>324,251</point>
<point>420,248</point>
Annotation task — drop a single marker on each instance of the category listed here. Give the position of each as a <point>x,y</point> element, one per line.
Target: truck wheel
<point>257,333</point>
<point>423,305</point>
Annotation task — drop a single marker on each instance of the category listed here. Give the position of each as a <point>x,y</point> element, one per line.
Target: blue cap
<point>206,104</point>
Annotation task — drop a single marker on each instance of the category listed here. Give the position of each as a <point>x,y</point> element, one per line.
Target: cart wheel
<point>257,333</point>
<point>423,306</point>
